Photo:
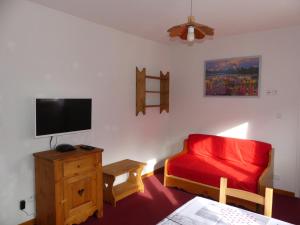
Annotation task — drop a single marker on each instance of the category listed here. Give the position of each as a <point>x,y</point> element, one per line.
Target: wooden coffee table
<point>133,184</point>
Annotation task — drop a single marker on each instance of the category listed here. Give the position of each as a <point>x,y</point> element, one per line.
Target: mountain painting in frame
<point>233,76</point>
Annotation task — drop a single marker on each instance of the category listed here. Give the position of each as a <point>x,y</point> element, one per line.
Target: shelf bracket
<point>140,91</point>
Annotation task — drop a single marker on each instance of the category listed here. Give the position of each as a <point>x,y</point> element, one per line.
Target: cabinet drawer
<point>77,166</point>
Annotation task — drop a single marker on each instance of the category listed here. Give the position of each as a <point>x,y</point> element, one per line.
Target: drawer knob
<point>80,192</point>
<point>78,166</point>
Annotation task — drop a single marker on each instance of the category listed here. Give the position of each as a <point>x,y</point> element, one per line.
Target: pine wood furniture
<point>133,184</point>
<point>68,186</point>
<point>29,222</point>
<point>266,200</point>
<point>141,91</point>
<point>205,211</point>
<point>196,187</point>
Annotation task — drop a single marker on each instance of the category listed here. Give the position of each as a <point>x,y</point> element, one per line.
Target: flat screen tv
<point>62,116</point>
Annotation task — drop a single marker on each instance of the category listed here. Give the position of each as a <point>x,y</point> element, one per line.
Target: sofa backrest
<point>233,149</point>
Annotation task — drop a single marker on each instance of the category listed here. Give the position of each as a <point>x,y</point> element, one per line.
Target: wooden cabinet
<point>68,186</point>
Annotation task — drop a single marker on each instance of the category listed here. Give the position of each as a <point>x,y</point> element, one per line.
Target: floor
<point>157,202</point>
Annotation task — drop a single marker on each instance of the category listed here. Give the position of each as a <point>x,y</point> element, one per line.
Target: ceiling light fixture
<point>191,34</point>
<point>191,30</point>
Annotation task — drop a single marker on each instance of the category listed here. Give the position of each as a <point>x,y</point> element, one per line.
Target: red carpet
<point>157,202</point>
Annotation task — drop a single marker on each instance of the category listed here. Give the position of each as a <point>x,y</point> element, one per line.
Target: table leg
<point>108,182</point>
<point>139,179</point>
<point>136,178</point>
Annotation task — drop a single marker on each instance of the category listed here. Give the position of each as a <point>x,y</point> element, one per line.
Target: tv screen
<point>59,116</point>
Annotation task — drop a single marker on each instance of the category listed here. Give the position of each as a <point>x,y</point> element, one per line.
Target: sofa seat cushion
<point>209,170</point>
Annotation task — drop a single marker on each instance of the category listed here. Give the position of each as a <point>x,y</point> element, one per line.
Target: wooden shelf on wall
<point>153,92</point>
<point>141,91</point>
<point>151,106</point>
<point>153,77</point>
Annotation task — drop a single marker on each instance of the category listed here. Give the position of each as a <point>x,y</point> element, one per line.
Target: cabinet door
<point>80,194</point>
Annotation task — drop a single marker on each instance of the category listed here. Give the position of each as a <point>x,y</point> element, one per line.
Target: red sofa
<point>247,164</point>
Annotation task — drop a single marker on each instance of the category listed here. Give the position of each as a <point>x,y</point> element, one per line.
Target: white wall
<point>45,53</point>
<point>270,118</point>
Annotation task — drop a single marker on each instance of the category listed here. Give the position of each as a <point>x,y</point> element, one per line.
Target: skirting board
<point>283,192</point>
<point>156,171</point>
<point>160,170</point>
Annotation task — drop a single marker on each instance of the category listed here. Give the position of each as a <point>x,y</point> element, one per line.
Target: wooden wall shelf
<point>154,92</point>
<point>141,91</point>
<point>153,77</point>
<point>151,106</point>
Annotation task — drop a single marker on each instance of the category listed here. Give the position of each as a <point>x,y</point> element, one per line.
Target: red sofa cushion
<point>232,149</point>
<point>208,170</point>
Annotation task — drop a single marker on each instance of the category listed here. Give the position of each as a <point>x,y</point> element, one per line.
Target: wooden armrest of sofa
<point>266,178</point>
<point>183,151</point>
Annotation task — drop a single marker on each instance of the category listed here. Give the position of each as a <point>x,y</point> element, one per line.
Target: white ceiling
<point>151,18</point>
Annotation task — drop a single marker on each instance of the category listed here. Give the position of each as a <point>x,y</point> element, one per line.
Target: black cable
<point>26,213</point>
<point>55,142</point>
<point>51,137</point>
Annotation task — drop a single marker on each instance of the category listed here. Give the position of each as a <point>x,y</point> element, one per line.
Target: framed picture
<point>233,76</point>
